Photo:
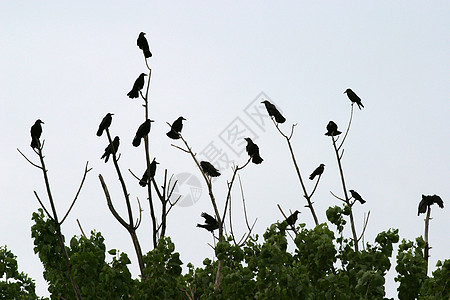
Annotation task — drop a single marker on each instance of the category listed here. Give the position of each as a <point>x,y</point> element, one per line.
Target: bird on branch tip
<point>253,151</point>
<point>36,131</point>
<point>427,201</point>
<point>106,122</point>
<point>176,128</point>
<point>209,169</point>
<point>143,45</point>
<point>357,196</point>
<point>317,172</point>
<point>111,148</point>
<point>137,86</point>
<point>332,129</point>
<point>353,97</point>
<point>142,131</point>
<point>292,218</point>
<point>274,112</point>
<point>144,180</point>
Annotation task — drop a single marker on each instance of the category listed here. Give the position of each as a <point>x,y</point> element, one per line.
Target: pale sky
<point>69,63</point>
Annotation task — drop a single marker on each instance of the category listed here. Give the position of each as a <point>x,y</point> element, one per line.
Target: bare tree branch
<point>32,163</point>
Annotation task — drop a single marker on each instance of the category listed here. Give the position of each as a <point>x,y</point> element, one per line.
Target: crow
<point>211,222</point>
<point>175,129</point>
<point>317,172</point>
<point>428,201</point>
<point>137,86</point>
<point>292,218</point>
<point>144,179</point>
<point>353,97</point>
<point>209,169</point>
<point>253,151</point>
<point>332,129</point>
<point>36,131</point>
<point>142,131</point>
<point>143,45</point>
<point>106,122</point>
<point>357,196</point>
<point>111,149</point>
<point>273,112</point>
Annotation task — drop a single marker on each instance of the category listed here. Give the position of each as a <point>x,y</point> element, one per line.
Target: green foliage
<point>14,285</point>
<point>320,266</point>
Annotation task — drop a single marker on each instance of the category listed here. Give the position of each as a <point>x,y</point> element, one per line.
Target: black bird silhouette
<point>142,131</point>
<point>209,169</point>
<point>332,129</point>
<point>273,112</point>
<point>111,148</point>
<point>143,45</point>
<point>144,179</point>
<point>353,97</point>
<point>211,222</point>
<point>292,218</point>
<point>317,172</point>
<point>253,151</point>
<point>36,131</point>
<point>137,86</point>
<point>428,201</point>
<point>357,196</point>
<point>175,129</point>
<point>106,122</point>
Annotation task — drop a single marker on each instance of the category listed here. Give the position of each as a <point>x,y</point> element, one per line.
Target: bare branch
<point>32,163</point>
<point>81,229</point>
<point>366,221</point>
<point>346,132</point>
<point>42,205</point>
<point>343,200</point>
<point>86,170</point>
<point>110,205</point>
<point>138,221</point>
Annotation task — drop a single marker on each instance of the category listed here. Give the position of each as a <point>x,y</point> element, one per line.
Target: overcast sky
<point>69,63</point>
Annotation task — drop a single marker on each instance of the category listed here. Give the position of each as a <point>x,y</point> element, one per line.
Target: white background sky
<point>70,63</point>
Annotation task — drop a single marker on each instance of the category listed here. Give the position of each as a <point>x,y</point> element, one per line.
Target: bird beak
<point>152,120</point>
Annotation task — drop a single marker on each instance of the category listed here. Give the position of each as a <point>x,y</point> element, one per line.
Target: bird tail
<point>136,141</point>
<point>362,201</point>
<point>360,105</point>
<point>173,135</point>
<point>256,159</point>
<point>142,183</point>
<point>203,226</point>
<point>34,143</point>
<point>147,54</point>
<point>100,132</point>
<point>279,118</point>
<point>133,94</point>
<point>311,177</point>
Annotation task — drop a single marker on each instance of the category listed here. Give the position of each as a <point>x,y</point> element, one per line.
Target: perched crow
<point>142,131</point>
<point>332,129</point>
<point>137,86</point>
<point>253,151</point>
<point>353,97</point>
<point>112,148</point>
<point>211,222</point>
<point>357,196</point>
<point>106,122</point>
<point>36,131</point>
<point>143,45</point>
<point>209,169</point>
<point>317,172</point>
<point>175,129</point>
<point>428,201</point>
<point>273,112</point>
<point>144,179</point>
<point>292,218</point>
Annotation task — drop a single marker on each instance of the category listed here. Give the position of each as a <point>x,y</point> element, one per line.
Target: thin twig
<point>81,228</point>
<point>32,163</point>
<point>366,221</point>
<point>42,205</point>
<point>86,170</point>
<point>348,128</point>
